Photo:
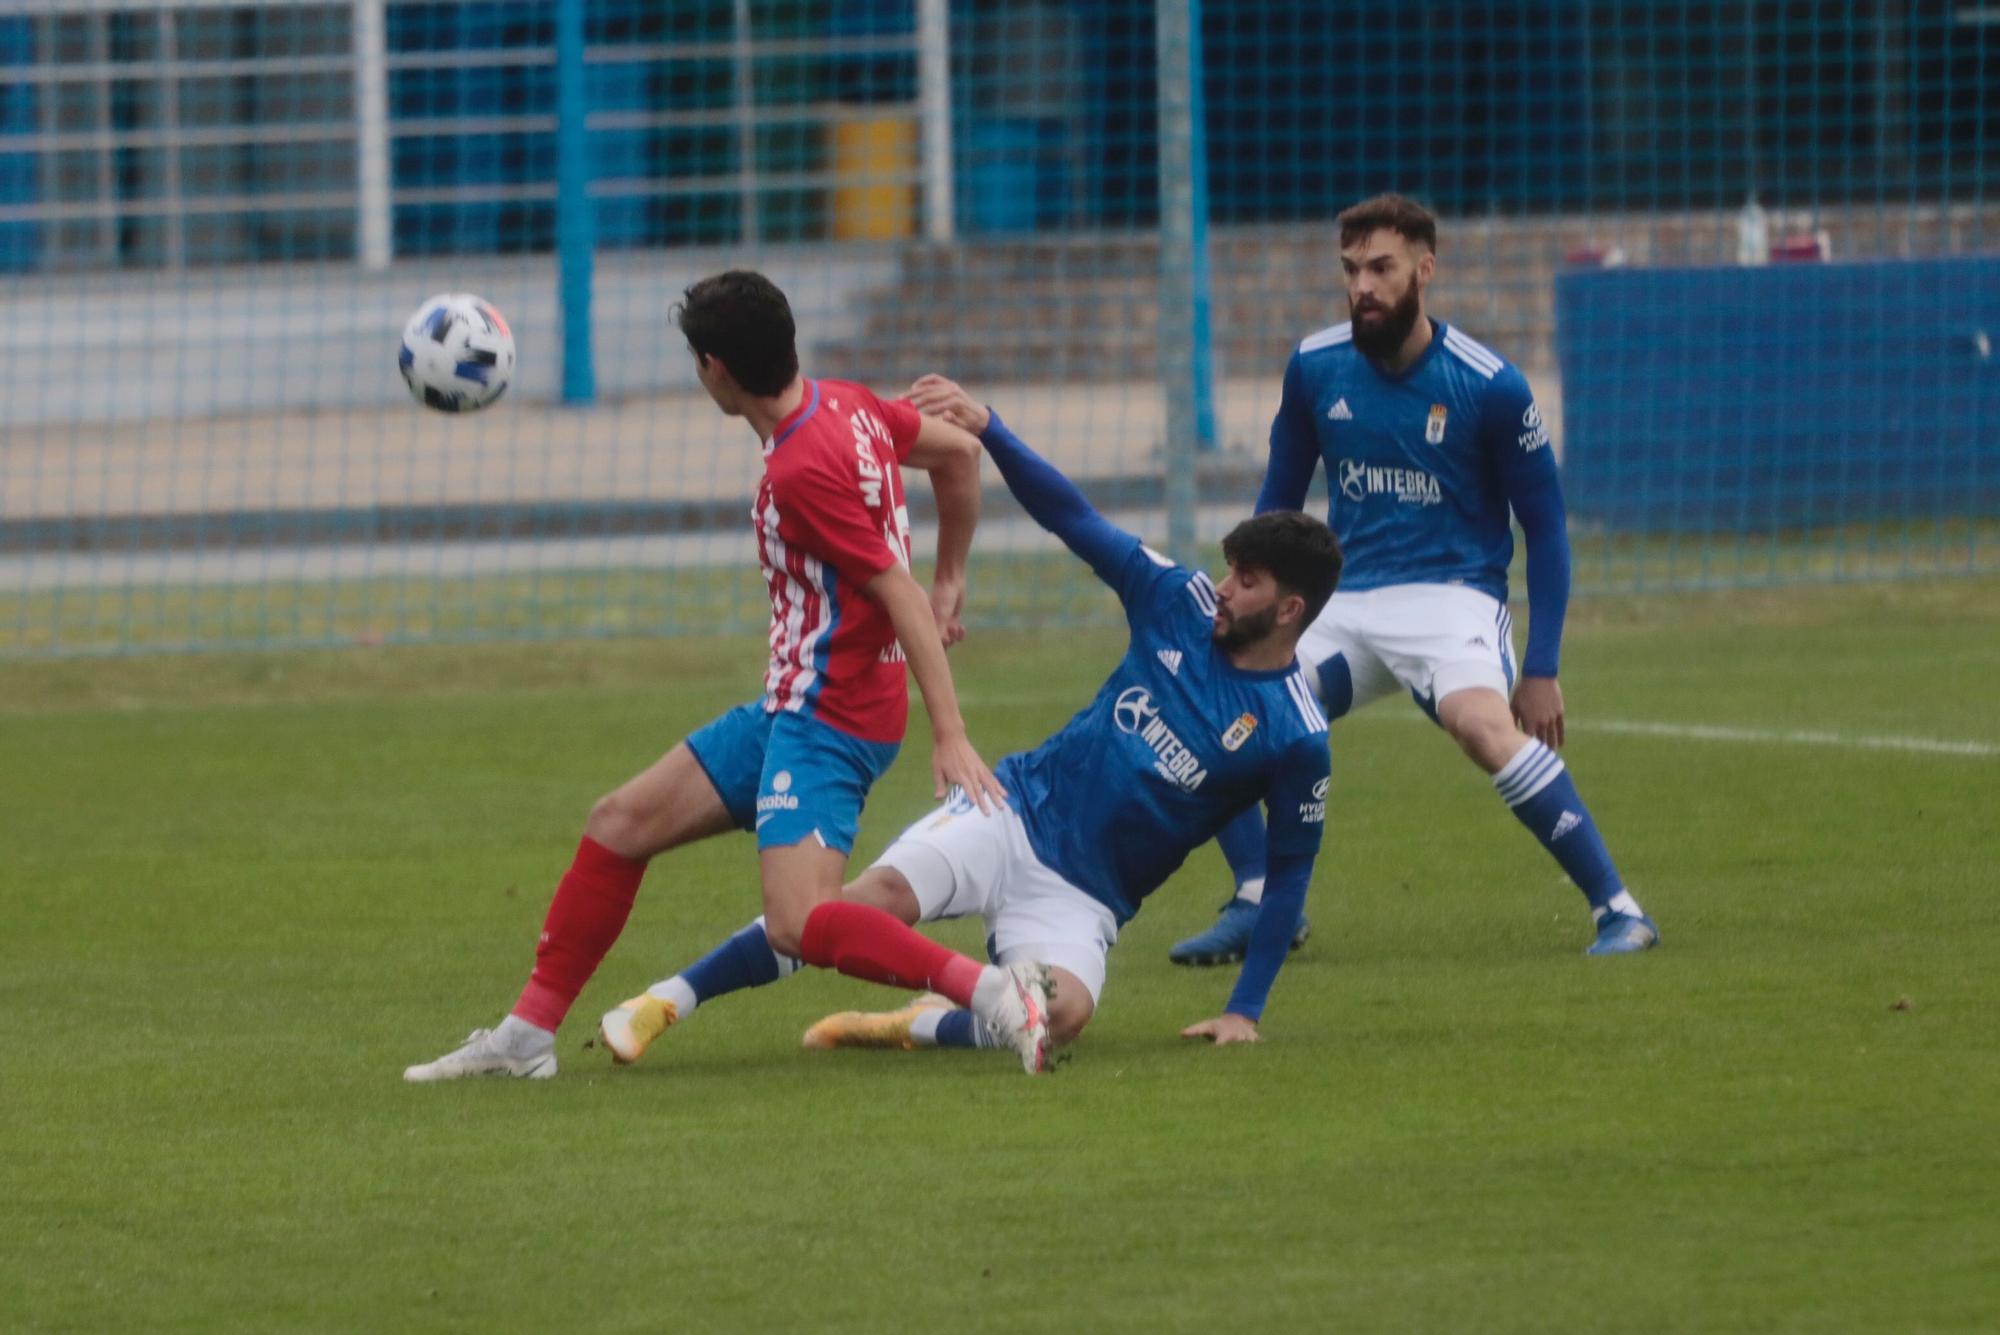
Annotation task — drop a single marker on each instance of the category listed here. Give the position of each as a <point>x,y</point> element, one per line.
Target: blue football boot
<point>1624,934</point>
<point>1229,937</point>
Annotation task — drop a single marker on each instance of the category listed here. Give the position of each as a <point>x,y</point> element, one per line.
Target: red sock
<point>592,902</point>
<point>863,941</point>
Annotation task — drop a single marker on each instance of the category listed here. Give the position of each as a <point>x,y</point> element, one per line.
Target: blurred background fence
<point>1747,253</point>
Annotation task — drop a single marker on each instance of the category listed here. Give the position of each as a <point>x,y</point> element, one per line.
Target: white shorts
<point>962,861</point>
<point>1429,639</point>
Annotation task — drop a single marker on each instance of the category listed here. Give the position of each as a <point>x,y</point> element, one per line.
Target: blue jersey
<point>1421,467</point>
<point>1177,743</point>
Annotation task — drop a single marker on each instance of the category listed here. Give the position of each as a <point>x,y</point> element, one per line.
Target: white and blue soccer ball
<point>458,353</point>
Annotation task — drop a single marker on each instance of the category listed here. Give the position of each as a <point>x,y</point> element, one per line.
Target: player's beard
<point>1244,631</point>
<point>1381,338</point>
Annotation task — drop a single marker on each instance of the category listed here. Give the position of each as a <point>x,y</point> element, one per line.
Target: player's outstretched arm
<point>1534,491</point>
<point>1050,499</point>
<point>950,454</point>
<point>1285,883</point>
<point>1297,806</point>
<point>953,760</point>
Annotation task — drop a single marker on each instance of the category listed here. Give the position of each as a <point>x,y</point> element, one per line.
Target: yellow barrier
<point>873,160</point>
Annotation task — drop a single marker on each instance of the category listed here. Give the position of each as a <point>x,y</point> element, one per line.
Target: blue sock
<point>1543,797</point>
<point>962,1029</point>
<point>1242,843</point>
<point>744,960</point>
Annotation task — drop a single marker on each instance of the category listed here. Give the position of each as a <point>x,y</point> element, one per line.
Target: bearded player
<point>1207,714</point>
<point>1429,439</point>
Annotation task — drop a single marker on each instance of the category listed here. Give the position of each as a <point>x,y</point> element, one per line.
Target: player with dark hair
<point>1207,715</point>
<point>796,764</point>
<point>1429,439</point>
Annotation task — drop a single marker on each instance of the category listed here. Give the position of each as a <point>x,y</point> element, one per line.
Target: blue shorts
<point>789,777</point>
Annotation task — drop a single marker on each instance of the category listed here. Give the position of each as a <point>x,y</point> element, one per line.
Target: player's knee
<point>1488,736</point>
<point>887,889</point>
<point>1494,747</point>
<point>1070,1010</point>
<point>618,824</point>
<point>784,929</point>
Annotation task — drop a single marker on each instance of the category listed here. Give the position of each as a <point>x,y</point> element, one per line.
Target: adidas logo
<point>1570,820</point>
<point>1172,658</point>
<point>1340,412</point>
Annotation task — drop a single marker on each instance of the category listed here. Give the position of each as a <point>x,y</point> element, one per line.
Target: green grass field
<point>242,893</point>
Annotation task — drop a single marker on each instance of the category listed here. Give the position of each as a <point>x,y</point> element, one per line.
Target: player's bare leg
<point>1480,721</point>
<point>796,879</point>
<point>669,803</point>
<point>1536,786</point>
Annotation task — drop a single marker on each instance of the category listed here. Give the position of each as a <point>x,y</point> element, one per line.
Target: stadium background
<point>242,890</point>
<point>1742,250</point>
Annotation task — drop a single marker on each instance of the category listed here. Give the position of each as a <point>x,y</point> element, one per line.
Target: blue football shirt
<point>1421,467</point>
<point>1177,742</point>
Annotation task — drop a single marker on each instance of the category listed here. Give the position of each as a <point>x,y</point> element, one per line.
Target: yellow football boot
<point>873,1029</point>
<point>631,1028</point>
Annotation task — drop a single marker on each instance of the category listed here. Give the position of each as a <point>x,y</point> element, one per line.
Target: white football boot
<point>480,1055</point>
<point>1014,1002</point>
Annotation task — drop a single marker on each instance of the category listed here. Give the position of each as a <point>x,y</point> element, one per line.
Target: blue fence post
<point>1201,362</point>
<point>20,242</point>
<point>574,220</point>
<point>1187,359</point>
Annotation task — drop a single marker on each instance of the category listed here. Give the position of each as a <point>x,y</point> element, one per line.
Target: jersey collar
<point>1252,674</point>
<point>1423,358</point>
<point>808,405</point>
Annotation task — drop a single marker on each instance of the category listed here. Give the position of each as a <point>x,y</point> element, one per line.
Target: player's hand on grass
<point>954,764</point>
<point>1227,1027</point>
<point>948,606</point>
<point>935,396</point>
<point>1538,708</point>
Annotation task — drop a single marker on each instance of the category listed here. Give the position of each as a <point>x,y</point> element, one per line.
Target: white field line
<point>1678,732</point>
<point>1706,732</point>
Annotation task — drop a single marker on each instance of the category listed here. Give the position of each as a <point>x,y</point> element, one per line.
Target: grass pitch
<point>242,893</point>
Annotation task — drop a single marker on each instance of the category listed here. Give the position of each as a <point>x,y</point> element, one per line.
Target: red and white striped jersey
<point>831,516</point>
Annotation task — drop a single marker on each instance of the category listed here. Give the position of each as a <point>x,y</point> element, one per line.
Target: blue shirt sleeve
<point>1296,806</point>
<point>1119,559</point>
<point>1518,439</point>
<point>1285,882</point>
<point>1294,446</point>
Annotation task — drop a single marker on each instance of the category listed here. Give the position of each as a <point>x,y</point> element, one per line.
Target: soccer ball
<point>458,354</point>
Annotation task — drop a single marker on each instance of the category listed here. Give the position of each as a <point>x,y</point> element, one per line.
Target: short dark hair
<point>1404,216</point>
<point>1300,553</point>
<point>741,319</point>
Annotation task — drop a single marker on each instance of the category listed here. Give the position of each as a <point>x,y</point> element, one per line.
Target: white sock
<point>1622,902</point>
<point>993,981</point>
<point>1252,890</point>
<point>923,1029</point>
<point>517,1038</point>
<point>676,993</point>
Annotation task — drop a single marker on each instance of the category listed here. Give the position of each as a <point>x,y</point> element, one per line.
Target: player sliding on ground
<point>1429,438</point>
<point>1207,715</point>
<point>796,764</point>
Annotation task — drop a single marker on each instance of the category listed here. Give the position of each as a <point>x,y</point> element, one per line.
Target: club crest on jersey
<point>1239,732</point>
<point>1434,428</point>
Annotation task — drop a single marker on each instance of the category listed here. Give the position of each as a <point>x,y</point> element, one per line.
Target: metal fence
<point>1711,234</point>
